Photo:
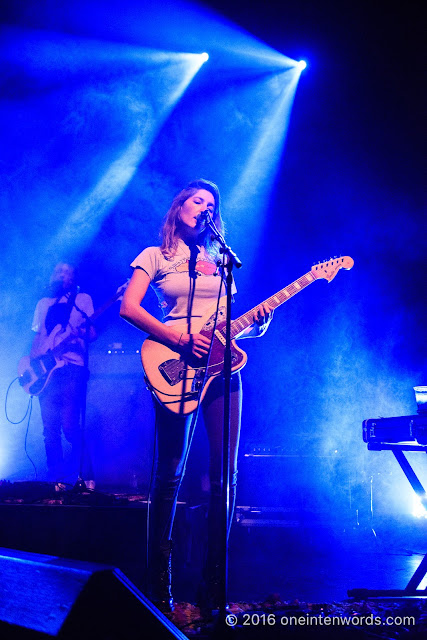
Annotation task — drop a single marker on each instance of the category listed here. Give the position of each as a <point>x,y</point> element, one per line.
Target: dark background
<point>348,181</point>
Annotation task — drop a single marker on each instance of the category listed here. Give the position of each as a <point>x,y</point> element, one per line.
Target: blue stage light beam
<point>84,222</point>
<point>164,26</point>
<point>256,179</point>
<point>106,99</point>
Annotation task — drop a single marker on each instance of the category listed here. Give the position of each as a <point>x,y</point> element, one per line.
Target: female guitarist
<point>183,272</point>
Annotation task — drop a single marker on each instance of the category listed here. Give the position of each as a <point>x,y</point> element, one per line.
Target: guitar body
<point>176,379</point>
<point>35,373</point>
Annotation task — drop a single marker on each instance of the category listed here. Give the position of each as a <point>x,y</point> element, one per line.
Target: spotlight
<point>204,57</point>
<point>419,510</point>
<point>302,65</point>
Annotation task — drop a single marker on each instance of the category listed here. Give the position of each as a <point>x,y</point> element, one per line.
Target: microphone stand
<point>232,261</point>
<point>80,485</point>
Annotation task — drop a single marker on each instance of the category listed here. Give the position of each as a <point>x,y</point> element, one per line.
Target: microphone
<point>204,215</point>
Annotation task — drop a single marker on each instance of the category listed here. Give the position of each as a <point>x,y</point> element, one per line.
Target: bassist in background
<point>62,314</point>
<point>183,273</point>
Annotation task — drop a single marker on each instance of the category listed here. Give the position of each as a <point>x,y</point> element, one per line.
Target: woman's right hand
<point>195,343</point>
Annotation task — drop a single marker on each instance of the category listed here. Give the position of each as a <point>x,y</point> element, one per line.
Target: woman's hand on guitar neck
<point>194,343</point>
<point>263,316</point>
<point>261,319</point>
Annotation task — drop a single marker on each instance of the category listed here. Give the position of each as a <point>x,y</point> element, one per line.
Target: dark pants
<point>172,433</point>
<point>61,404</point>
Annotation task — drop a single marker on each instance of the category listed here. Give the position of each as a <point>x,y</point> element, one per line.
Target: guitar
<point>35,373</point>
<point>179,381</point>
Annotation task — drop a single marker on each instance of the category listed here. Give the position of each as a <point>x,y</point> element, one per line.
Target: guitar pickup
<point>220,337</point>
<point>43,364</point>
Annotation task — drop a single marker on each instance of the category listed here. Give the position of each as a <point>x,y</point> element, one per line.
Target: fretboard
<point>244,321</point>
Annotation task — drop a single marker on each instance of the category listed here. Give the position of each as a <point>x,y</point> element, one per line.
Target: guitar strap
<point>70,305</point>
<point>59,313</point>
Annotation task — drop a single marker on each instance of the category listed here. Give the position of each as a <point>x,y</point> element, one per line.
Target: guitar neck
<point>274,301</point>
<point>106,305</point>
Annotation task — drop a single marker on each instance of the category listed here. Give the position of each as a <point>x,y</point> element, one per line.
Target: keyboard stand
<point>411,589</point>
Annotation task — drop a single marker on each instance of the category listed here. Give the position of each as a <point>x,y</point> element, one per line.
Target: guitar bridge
<point>196,385</point>
<point>174,371</point>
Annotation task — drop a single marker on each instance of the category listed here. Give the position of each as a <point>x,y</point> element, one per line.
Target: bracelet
<point>179,341</point>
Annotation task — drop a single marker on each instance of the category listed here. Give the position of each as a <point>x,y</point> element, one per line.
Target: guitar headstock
<point>329,269</point>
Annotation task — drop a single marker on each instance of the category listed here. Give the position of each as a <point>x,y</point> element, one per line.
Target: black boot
<point>161,579</point>
<point>209,592</point>
<point>160,543</point>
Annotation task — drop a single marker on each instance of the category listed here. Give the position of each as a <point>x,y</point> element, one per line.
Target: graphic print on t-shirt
<point>202,267</point>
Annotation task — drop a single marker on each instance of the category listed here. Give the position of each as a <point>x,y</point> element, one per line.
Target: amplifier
<point>394,430</point>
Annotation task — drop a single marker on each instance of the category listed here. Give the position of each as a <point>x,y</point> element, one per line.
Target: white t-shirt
<point>185,284</point>
<point>77,345</point>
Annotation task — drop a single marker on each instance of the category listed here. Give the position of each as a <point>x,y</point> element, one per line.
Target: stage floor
<point>303,556</point>
<point>278,560</point>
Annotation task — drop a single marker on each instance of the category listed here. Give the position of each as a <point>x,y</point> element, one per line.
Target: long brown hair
<point>171,222</point>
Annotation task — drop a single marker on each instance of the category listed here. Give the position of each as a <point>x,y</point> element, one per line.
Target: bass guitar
<point>35,373</point>
<point>179,381</point>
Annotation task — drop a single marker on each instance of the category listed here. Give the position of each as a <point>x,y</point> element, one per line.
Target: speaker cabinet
<point>45,596</point>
